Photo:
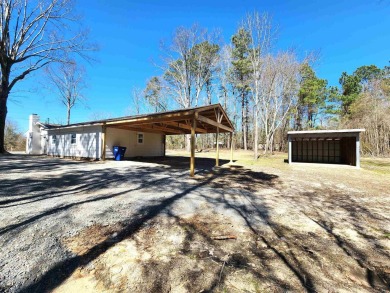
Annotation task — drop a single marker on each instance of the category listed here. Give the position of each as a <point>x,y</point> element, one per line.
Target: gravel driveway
<point>292,235</point>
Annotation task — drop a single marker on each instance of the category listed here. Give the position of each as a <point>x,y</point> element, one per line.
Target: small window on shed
<point>140,138</point>
<point>73,138</point>
<point>53,139</point>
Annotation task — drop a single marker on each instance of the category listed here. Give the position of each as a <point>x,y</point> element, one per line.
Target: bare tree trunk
<point>3,116</point>
<point>244,121</point>
<point>4,91</point>
<point>256,133</point>
<point>68,115</point>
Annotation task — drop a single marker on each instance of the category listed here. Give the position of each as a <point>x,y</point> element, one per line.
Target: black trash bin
<point>119,152</point>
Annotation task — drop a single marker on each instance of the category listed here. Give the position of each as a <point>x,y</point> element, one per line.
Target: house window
<point>140,138</point>
<point>73,138</point>
<point>53,139</point>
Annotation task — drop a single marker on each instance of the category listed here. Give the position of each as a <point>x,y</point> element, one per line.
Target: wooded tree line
<point>266,92</point>
<point>14,139</point>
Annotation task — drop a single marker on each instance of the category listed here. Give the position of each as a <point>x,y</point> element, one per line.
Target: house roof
<point>48,126</point>
<point>208,119</point>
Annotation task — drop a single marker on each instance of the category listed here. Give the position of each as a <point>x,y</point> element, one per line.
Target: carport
<point>199,120</point>
<point>325,146</point>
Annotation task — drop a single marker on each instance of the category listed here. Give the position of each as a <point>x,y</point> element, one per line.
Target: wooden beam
<point>150,128</point>
<point>136,129</point>
<point>205,108</point>
<point>164,129</point>
<point>185,126</point>
<point>155,118</point>
<point>193,142</point>
<point>103,155</point>
<point>214,123</point>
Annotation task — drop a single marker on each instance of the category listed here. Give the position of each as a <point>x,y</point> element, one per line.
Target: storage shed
<point>325,146</point>
<point>142,135</point>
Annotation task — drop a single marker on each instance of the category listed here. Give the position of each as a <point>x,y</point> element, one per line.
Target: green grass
<point>277,160</point>
<point>377,165</point>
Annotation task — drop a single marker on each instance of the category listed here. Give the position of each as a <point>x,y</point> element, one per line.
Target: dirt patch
<point>173,254</point>
<point>88,238</point>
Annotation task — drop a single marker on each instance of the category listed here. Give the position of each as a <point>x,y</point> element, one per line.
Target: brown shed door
<point>348,151</point>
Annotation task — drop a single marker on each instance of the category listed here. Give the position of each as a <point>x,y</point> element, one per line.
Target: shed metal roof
<point>338,131</point>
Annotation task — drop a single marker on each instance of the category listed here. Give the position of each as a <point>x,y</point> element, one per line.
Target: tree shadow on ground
<point>61,271</point>
<point>23,163</point>
<point>180,162</point>
<point>360,219</point>
<point>238,190</point>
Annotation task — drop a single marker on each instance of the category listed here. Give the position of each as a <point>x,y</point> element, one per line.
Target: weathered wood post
<point>231,147</point>
<point>193,143</point>
<point>217,154</point>
<point>289,149</point>
<point>103,156</point>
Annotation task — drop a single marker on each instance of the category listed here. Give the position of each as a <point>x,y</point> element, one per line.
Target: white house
<point>84,140</point>
<point>142,135</point>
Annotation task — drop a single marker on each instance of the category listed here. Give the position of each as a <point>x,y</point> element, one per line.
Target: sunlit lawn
<point>278,159</point>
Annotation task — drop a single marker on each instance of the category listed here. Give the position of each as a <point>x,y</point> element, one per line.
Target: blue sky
<point>347,34</point>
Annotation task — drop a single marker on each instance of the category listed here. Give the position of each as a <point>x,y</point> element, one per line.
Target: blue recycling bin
<point>119,153</point>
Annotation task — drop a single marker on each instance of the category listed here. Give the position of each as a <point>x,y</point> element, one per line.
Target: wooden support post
<point>103,148</point>
<point>217,154</point>
<point>289,150</point>
<point>193,143</point>
<point>165,144</point>
<point>231,147</point>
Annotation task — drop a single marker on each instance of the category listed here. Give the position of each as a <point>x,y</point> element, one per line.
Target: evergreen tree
<point>312,96</point>
<point>240,72</point>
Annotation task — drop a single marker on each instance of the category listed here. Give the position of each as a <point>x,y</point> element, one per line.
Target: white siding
<point>87,142</point>
<point>153,145</point>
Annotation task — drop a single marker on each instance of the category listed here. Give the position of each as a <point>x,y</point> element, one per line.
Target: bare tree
<point>278,92</point>
<point>100,115</point>
<point>137,96</point>
<point>68,80</point>
<point>223,74</point>
<point>34,34</point>
<point>153,94</point>
<point>14,138</point>
<point>261,34</point>
<point>371,111</point>
<point>177,65</point>
<point>226,89</point>
<point>188,65</point>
